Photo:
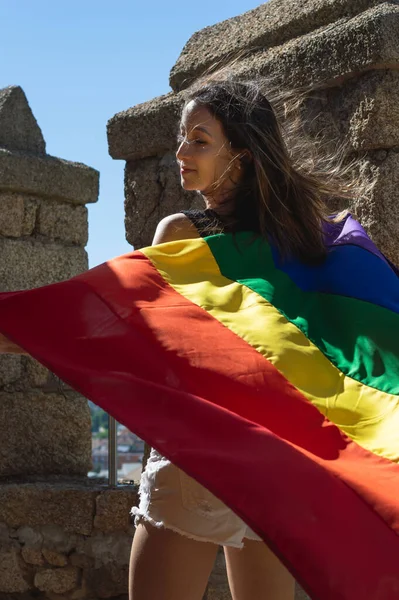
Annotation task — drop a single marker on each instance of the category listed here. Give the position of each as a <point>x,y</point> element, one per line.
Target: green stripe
<point>358,337</point>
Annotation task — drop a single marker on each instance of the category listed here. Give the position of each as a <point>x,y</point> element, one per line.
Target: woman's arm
<point>8,347</point>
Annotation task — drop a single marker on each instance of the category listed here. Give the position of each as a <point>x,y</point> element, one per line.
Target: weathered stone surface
<point>83,592</point>
<point>26,263</point>
<point>31,205</point>
<point>55,538</point>
<point>12,211</point>
<point>331,55</point>
<point>32,557</point>
<point>10,368</point>
<point>218,586</point>
<point>54,558</point>
<point>148,129</point>
<point>108,548</point>
<point>57,580</point>
<point>268,25</point>
<point>112,510</point>
<point>17,214</point>
<point>142,199</point>
<point>48,177</point>
<point>153,191</point>
<point>61,221</point>
<point>379,212</point>
<point>109,580</point>
<point>46,433</point>
<point>36,374</point>
<point>30,538</point>
<point>78,559</point>
<point>18,127</point>
<point>217,593</point>
<point>11,573</point>
<point>57,509</point>
<point>4,535</point>
<point>366,110</point>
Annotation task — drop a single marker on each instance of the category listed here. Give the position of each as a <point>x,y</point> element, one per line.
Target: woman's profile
<point>272,256</point>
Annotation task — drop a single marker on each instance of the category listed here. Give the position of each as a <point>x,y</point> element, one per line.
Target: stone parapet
<point>131,132</point>
<point>63,222</point>
<point>332,55</point>
<point>43,231</point>
<point>271,24</point>
<point>23,216</point>
<point>25,168</point>
<point>48,177</point>
<point>19,130</point>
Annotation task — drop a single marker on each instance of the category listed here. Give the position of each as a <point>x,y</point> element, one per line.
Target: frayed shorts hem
<point>169,498</point>
<point>140,516</point>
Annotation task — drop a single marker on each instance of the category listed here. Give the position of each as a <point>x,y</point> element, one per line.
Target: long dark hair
<point>286,187</point>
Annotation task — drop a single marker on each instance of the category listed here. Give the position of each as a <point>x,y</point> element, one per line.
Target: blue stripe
<point>349,270</point>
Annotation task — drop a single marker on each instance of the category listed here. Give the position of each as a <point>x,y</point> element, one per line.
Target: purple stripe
<point>349,231</point>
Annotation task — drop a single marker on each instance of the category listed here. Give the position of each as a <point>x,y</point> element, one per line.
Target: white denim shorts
<point>169,498</point>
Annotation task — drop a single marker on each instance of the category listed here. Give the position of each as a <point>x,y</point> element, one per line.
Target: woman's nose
<point>183,150</point>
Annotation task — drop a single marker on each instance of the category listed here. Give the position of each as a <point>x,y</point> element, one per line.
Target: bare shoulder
<point>174,227</point>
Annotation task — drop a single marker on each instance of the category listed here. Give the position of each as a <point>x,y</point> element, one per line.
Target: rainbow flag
<point>274,384</point>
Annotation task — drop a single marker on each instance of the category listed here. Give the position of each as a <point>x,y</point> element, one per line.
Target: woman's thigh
<point>166,565</point>
<point>255,572</point>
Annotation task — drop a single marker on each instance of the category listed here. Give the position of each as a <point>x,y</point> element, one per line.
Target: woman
<point>232,151</point>
<point>221,154</point>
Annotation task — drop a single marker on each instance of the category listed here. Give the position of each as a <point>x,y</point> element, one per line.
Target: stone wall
<point>43,232</point>
<point>61,534</point>
<point>67,540</point>
<point>346,49</point>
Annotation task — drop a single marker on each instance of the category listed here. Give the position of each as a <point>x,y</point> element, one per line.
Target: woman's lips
<point>184,170</point>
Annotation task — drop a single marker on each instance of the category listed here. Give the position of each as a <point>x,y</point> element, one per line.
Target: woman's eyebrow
<point>199,128</point>
<point>203,129</point>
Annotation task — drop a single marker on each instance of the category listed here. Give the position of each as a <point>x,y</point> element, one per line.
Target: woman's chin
<point>188,186</point>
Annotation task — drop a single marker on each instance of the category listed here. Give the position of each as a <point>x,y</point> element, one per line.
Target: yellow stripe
<point>368,416</point>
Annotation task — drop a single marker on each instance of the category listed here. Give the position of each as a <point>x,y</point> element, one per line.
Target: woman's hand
<point>8,347</point>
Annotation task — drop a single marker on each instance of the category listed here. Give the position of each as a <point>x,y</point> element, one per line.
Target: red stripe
<point>215,407</point>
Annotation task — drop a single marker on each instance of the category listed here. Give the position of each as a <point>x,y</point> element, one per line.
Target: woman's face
<point>204,154</point>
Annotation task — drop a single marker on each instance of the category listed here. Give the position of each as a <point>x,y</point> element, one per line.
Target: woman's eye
<point>181,138</point>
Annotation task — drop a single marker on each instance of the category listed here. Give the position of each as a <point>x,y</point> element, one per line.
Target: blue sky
<point>81,62</point>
